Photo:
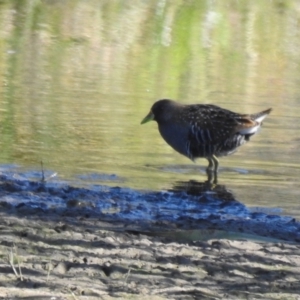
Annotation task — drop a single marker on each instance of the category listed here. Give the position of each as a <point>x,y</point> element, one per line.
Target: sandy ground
<point>76,251</point>
<point>83,258</point>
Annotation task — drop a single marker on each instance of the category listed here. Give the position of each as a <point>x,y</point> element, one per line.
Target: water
<point>77,77</point>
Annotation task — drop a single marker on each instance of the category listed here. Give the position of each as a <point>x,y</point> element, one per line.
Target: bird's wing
<point>210,125</point>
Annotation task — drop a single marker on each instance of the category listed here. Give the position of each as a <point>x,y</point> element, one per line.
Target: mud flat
<point>59,241</point>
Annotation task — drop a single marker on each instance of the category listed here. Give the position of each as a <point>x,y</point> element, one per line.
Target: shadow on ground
<point>62,242</point>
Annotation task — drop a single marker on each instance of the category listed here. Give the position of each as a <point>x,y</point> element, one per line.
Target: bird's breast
<point>176,136</point>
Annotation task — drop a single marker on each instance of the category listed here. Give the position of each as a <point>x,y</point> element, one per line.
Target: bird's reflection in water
<point>196,188</point>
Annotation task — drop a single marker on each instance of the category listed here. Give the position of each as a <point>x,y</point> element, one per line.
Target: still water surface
<point>77,77</point>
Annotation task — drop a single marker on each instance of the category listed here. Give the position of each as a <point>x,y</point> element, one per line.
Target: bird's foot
<point>212,176</point>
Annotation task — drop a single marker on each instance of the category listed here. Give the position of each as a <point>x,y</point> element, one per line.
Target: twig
<point>49,270</point>
<point>19,264</point>
<point>44,179</point>
<point>43,175</point>
<point>73,295</point>
<point>11,262</point>
<point>127,275</point>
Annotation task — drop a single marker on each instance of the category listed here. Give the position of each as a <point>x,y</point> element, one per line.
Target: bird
<point>204,130</point>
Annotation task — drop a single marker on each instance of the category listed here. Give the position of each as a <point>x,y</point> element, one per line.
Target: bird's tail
<point>249,124</point>
<point>259,117</point>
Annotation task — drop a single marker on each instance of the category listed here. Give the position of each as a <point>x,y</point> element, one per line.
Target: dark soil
<point>64,242</point>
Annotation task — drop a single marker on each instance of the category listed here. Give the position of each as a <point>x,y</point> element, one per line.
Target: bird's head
<point>160,111</point>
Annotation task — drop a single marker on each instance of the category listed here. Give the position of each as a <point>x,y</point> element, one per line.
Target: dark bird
<point>204,130</point>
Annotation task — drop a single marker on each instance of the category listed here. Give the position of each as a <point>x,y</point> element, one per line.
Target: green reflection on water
<point>78,76</point>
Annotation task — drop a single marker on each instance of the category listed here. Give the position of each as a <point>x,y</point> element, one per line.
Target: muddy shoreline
<point>108,243</point>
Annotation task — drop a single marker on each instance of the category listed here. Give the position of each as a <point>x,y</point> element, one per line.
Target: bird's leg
<point>212,169</point>
<point>216,163</point>
<point>210,177</point>
<point>209,170</point>
<point>216,167</point>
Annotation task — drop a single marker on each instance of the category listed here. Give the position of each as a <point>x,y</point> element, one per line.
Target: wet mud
<point>195,241</point>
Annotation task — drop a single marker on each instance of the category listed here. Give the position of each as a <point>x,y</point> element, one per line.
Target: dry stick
<point>11,262</point>
<point>44,179</point>
<point>43,175</point>
<point>49,270</point>
<point>127,275</point>
<point>73,295</point>
<point>19,264</point>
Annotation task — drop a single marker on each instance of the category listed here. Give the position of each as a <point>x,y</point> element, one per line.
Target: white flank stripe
<point>260,119</point>
<point>250,130</point>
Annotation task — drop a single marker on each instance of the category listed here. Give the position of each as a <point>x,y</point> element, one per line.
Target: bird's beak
<point>148,118</point>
